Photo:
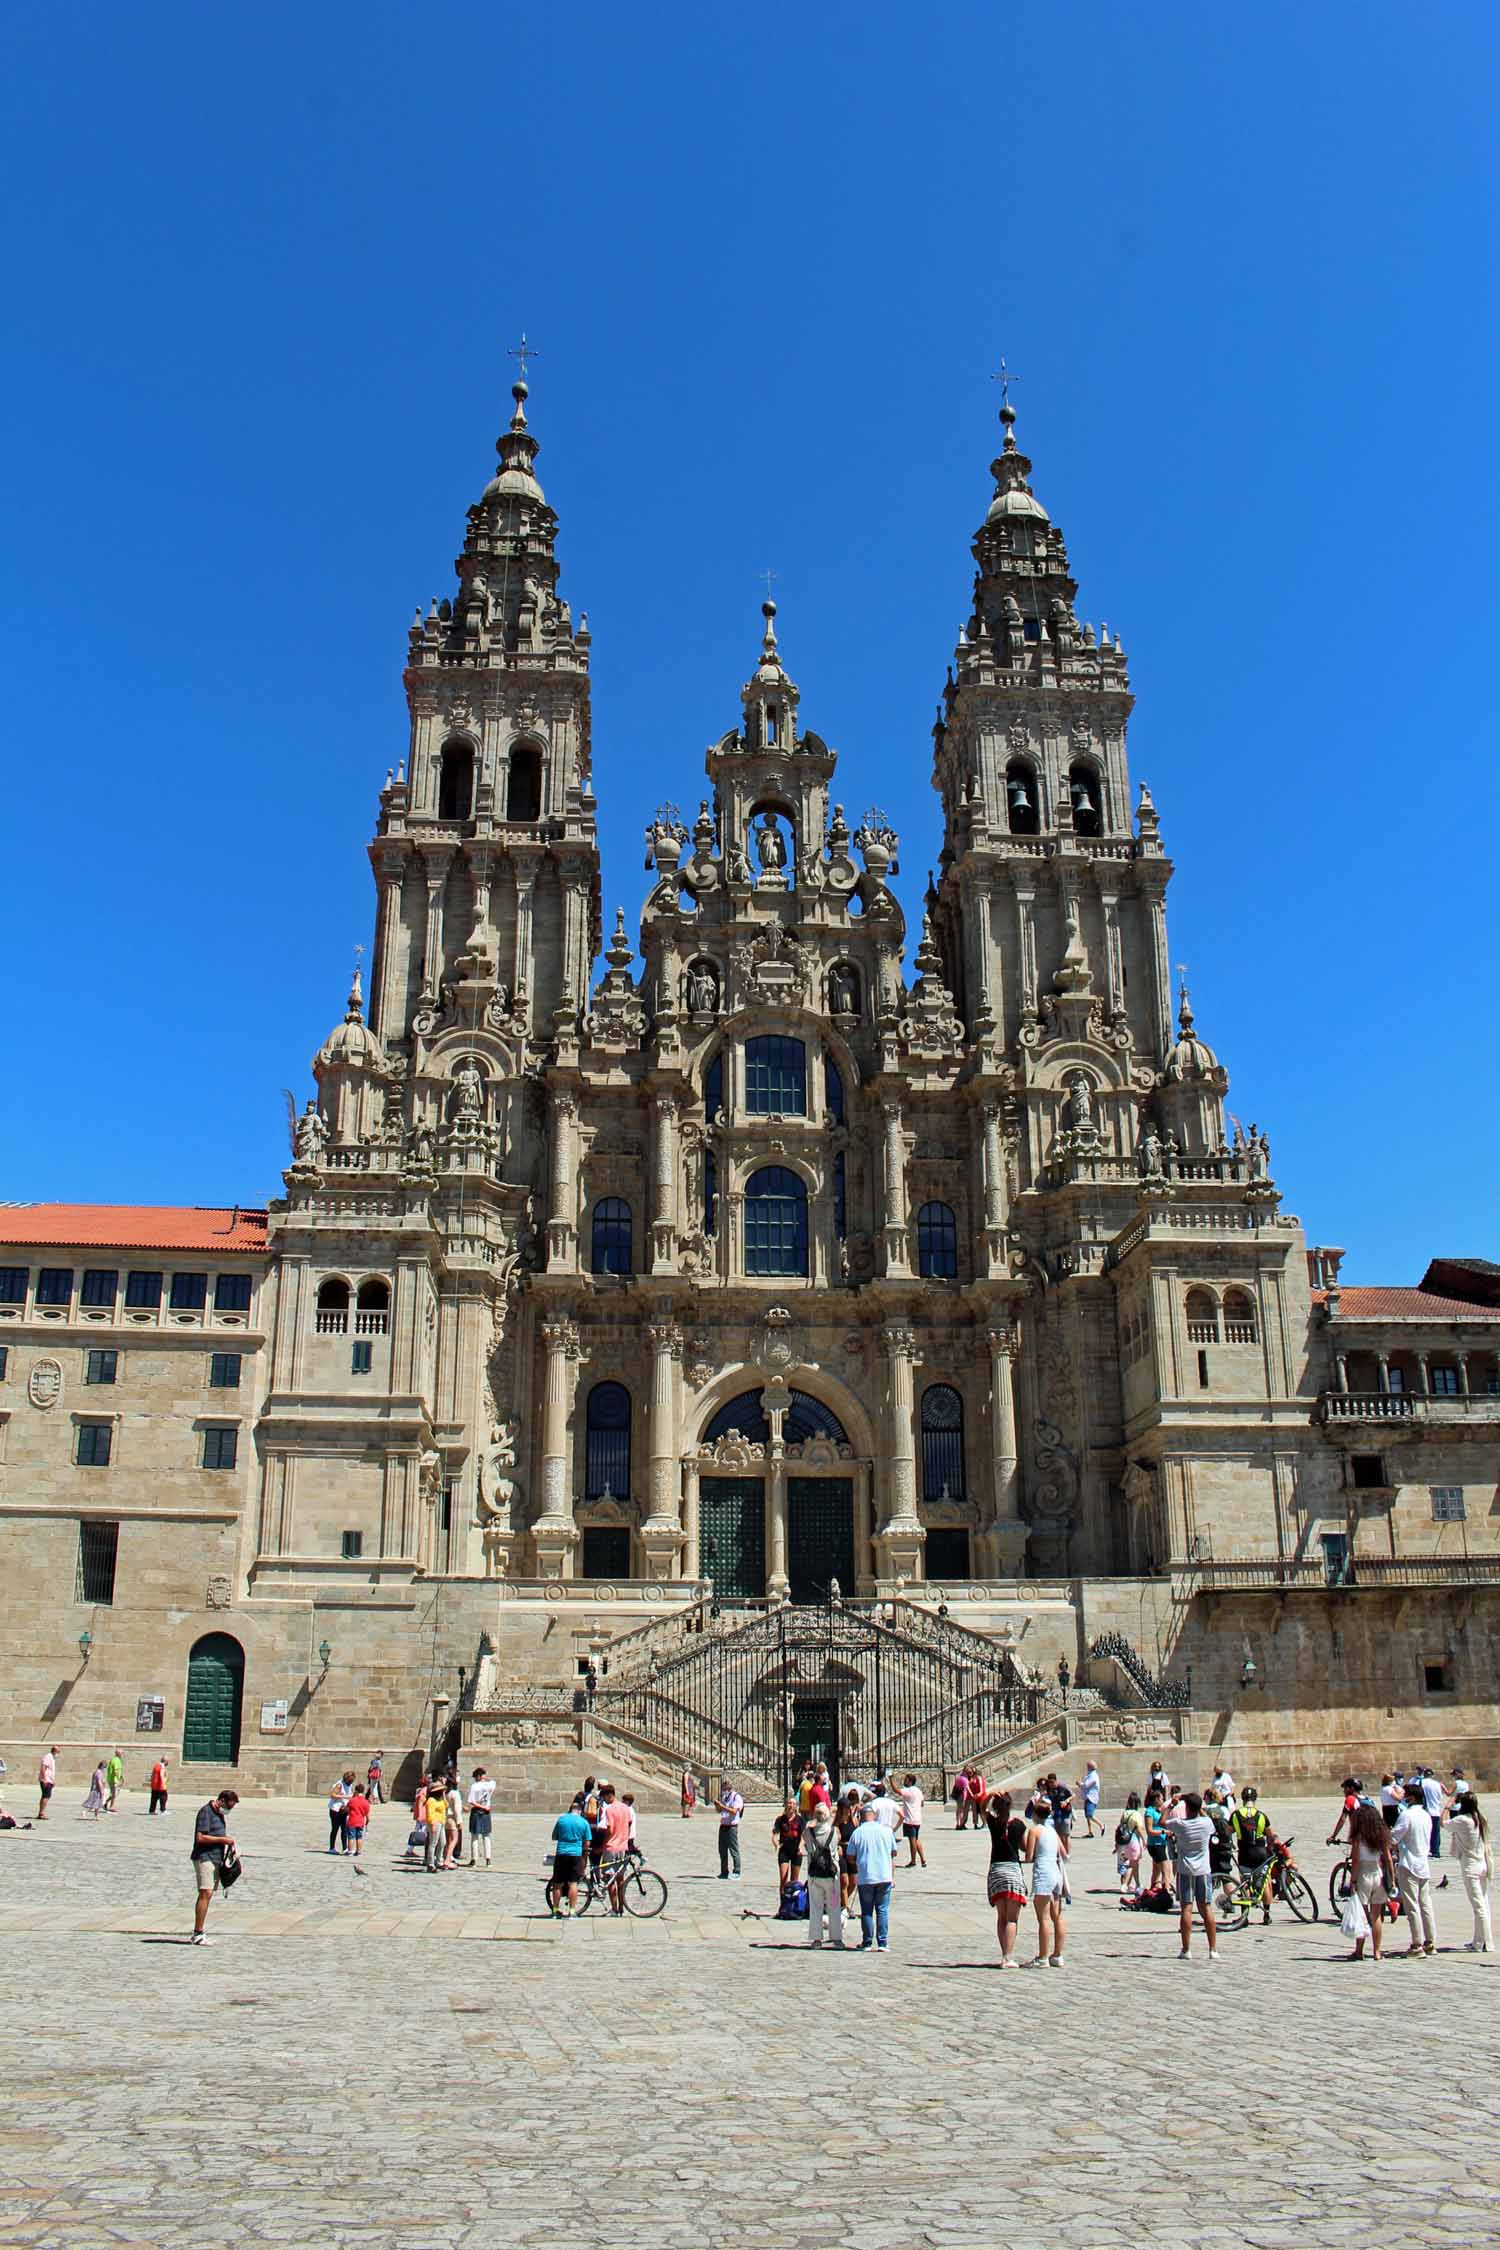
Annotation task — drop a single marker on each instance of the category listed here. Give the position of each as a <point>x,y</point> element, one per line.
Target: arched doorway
<point>215,1692</point>
<point>803,1524</point>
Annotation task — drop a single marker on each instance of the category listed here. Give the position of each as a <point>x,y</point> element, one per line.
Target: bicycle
<point>642,1889</point>
<point>1341,1887</point>
<point>1280,1877</point>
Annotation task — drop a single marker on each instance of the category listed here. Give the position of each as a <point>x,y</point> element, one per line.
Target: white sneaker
<point>200,1939</point>
<point>1213,1953</point>
<point>1012,1963</point>
<point>1058,1961</point>
<point>1184,1955</point>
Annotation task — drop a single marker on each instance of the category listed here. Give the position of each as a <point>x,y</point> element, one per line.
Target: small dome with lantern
<point>351,1045</point>
<point>1189,1056</point>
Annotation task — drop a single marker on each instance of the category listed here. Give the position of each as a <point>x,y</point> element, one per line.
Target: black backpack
<point>821,1863</point>
<point>1123,1833</point>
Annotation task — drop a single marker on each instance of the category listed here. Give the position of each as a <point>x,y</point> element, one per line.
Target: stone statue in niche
<point>468,1092</point>
<point>771,845</point>
<point>1080,1104</point>
<point>843,991</point>
<point>310,1137</point>
<point>702,989</point>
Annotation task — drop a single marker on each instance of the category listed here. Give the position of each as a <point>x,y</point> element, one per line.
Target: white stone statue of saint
<point>703,989</point>
<point>310,1137</point>
<point>468,1090</point>
<point>770,845</point>
<point>1080,1104</point>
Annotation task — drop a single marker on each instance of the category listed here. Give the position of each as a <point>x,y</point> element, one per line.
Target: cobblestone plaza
<point>397,2059</point>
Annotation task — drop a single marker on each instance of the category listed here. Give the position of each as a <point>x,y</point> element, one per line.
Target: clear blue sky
<point>263,265</point>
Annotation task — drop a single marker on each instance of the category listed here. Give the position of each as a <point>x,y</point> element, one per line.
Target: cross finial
<point>1004,378</point>
<point>523,351</point>
<point>770,578</point>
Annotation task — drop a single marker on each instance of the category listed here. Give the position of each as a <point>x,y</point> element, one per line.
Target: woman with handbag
<point>1374,1880</point>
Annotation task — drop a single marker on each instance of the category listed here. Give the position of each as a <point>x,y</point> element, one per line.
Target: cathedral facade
<point>800,1257</point>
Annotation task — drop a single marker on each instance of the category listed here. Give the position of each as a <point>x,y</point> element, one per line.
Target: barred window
<point>1447,1503</point>
<point>937,1242</point>
<point>98,1555</point>
<point>612,1249</point>
<point>607,1443</point>
<point>942,1443</point>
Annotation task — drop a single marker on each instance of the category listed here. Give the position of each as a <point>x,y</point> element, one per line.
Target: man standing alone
<point>730,1806</point>
<point>159,1786</point>
<point>46,1780</point>
<point>872,1849</point>
<point>211,1837</point>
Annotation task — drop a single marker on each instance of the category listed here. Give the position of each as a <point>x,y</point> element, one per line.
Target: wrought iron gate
<point>906,1690</point>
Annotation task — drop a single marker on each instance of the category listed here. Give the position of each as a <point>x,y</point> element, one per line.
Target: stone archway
<point>778,1489</point>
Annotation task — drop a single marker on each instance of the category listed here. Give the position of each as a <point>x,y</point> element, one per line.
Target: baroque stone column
<point>435,862</point>
<point>994,1189</point>
<point>664,1170</point>
<point>897,1257</point>
<point>1003,1540</point>
<point>775,1399</point>
<point>525,865</point>
<point>692,1522</point>
<point>564,1197</point>
<point>900,1539</point>
<point>555,1534</point>
<point>384,1013</point>
<point>661,1536</point>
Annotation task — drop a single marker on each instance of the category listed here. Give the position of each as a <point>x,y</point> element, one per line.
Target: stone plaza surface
<point>403,2059</point>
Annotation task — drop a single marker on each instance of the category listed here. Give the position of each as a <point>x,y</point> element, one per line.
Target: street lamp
<point>325,1654</point>
<point>85,1644</point>
<point>1247,1669</point>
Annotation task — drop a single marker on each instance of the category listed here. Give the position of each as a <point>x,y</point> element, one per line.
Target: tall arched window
<point>775,1222</point>
<point>710,1192</point>
<point>612,1248</point>
<point>1021,799</point>
<point>775,1077</point>
<point>332,1315</point>
<point>606,1471</point>
<point>456,781</point>
<point>1202,1317</point>
<point>1084,790</point>
<point>937,1242</point>
<point>713,1089</point>
<point>372,1308</point>
<point>1239,1317</point>
<point>833,1091</point>
<point>840,1196</point>
<point>942,1443</point>
<point>805,1418</point>
<point>523,791</point>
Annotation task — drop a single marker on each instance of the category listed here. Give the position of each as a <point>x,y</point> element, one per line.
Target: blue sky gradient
<point>263,270</point>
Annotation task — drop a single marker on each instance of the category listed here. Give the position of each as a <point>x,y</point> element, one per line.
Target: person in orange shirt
<point>158,1786</point>
<point>618,1821</point>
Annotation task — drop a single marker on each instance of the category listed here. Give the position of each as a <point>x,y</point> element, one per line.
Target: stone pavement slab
<point>404,2059</point>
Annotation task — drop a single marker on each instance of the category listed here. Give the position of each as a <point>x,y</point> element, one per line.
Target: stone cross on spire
<point>523,351</point>
<point>1004,379</point>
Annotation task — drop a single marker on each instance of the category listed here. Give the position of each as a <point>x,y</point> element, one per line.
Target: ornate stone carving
<point>220,1591</point>
<point>309,1139</point>
<point>773,966</point>
<point>44,1385</point>
<point>526,1734</point>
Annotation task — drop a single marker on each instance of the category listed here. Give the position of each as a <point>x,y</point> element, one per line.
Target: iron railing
<point>1159,1693</point>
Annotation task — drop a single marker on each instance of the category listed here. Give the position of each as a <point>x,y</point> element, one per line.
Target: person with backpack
<point>1157,1849</point>
<point>1253,1840</point>
<point>1130,1843</point>
<point>824,1889</point>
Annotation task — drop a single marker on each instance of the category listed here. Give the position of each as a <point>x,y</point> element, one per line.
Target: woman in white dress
<point>1470,1832</point>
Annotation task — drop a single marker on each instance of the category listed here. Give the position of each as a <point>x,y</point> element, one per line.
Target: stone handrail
<point>1308,1574</point>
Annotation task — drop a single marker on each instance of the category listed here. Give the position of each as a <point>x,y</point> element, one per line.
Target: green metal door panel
<point>820,1536</point>
<point>815,1732</point>
<point>606,1550</point>
<point>732,1536</point>
<point>211,1721</point>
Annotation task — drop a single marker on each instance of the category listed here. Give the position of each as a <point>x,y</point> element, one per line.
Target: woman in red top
<point>787,1830</point>
<point>356,1820</point>
<point>158,1787</point>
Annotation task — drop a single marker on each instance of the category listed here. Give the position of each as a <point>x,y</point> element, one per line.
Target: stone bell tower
<point>486,855</point>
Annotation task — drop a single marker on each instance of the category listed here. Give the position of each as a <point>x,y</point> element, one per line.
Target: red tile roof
<point>1405,1304</point>
<point>133,1226</point>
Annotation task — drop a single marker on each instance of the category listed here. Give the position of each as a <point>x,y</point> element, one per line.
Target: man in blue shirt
<point>872,1849</point>
<point>571,1838</point>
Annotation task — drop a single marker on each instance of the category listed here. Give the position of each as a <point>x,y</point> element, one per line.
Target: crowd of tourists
<point>1176,1850</point>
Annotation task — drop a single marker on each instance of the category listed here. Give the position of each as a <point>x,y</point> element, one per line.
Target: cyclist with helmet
<point>1254,1840</point>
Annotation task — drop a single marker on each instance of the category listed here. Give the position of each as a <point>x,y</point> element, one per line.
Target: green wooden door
<point>215,1682</point>
<point>815,1732</point>
<point>732,1536</point>
<point>820,1536</point>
